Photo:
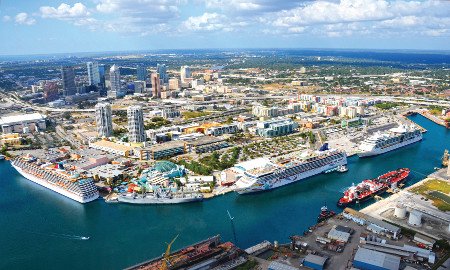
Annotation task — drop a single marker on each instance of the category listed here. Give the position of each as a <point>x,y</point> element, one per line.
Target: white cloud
<point>364,16</point>
<point>207,22</point>
<point>65,11</point>
<point>139,16</point>
<point>24,19</point>
<point>6,18</point>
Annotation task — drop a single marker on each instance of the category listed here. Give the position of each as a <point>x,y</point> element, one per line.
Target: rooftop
<point>8,120</point>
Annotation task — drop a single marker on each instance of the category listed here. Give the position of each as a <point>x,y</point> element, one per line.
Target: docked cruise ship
<point>54,177</point>
<point>262,174</point>
<point>394,138</point>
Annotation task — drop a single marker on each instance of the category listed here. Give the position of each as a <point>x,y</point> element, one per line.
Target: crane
<point>166,255</point>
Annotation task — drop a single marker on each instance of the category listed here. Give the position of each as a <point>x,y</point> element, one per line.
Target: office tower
<point>68,80</point>
<point>162,70</point>
<point>103,118</point>
<point>136,131</point>
<point>185,73</point>
<point>50,91</point>
<point>174,84</point>
<point>156,85</point>
<point>93,73</point>
<point>114,77</point>
<point>141,73</point>
<point>139,87</point>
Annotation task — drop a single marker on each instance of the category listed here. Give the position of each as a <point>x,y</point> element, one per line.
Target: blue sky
<point>59,26</point>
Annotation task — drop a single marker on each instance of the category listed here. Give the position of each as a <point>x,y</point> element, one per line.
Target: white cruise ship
<point>394,138</point>
<point>80,190</point>
<point>261,174</point>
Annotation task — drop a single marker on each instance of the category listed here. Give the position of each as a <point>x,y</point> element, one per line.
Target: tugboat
<point>325,214</point>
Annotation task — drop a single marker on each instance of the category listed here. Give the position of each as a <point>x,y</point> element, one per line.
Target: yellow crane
<point>166,256</point>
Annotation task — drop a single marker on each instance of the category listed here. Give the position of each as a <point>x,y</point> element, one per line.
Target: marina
<point>26,203</point>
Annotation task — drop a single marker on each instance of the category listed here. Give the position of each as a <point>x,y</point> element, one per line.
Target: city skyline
<point>41,27</point>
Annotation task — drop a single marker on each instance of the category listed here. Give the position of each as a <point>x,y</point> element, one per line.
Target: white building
<point>185,73</point>
<point>114,78</point>
<point>136,131</point>
<point>103,119</point>
<point>22,123</point>
<point>93,73</point>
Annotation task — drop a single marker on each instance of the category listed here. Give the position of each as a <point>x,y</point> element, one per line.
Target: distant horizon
<point>398,50</point>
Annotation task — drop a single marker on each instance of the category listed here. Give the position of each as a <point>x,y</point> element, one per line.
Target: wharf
<point>433,118</point>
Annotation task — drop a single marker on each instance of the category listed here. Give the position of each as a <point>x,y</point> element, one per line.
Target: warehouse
<point>366,259</point>
<point>23,123</point>
<point>338,235</point>
<point>314,262</point>
<point>280,266</point>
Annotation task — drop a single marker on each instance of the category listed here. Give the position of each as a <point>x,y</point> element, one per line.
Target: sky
<point>65,26</point>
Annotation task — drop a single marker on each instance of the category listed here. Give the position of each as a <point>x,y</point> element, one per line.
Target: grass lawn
<point>437,191</point>
<point>189,115</point>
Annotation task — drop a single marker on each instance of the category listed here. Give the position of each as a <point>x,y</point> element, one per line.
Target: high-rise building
<point>139,87</point>
<point>162,70</point>
<point>185,73</point>
<point>93,73</point>
<point>68,81</point>
<point>141,73</point>
<point>136,131</point>
<point>156,85</point>
<point>50,91</point>
<point>114,77</point>
<point>103,118</point>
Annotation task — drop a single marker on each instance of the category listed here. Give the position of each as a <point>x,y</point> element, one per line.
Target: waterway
<point>40,229</point>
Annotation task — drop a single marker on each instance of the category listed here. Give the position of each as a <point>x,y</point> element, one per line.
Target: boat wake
<point>61,235</point>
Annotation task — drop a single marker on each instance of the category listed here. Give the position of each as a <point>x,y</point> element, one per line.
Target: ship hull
<point>291,179</point>
<point>54,188</point>
<point>149,200</point>
<point>378,151</point>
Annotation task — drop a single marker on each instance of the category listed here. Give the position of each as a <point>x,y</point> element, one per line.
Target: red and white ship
<point>369,188</point>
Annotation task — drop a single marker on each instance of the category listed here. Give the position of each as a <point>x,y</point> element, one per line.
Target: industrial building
<point>280,266</point>
<point>375,225</point>
<point>366,259</point>
<point>112,147</point>
<point>23,123</point>
<point>314,262</point>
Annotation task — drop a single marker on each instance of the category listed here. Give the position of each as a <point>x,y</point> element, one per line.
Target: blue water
<point>38,227</point>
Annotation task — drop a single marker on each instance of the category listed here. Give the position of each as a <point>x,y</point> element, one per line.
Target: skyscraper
<point>141,73</point>
<point>136,131</point>
<point>114,77</point>
<point>156,85</point>
<point>93,73</point>
<point>103,118</point>
<point>185,73</point>
<point>162,70</point>
<point>68,80</point>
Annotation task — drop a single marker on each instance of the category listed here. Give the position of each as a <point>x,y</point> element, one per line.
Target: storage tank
<point>400,211</point>
<point>415,218</point>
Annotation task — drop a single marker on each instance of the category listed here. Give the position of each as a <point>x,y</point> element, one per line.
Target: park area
<point>436,191</point>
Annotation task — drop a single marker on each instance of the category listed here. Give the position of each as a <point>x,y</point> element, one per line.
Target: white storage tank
<point>415,218</point>
<point>400,211</point>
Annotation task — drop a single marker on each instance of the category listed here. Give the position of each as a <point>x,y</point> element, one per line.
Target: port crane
<point>166,256</point>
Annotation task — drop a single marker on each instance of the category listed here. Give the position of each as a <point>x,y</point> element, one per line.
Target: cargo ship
<point>55,178</point>
<point>369,188</point>
<point>262,174</point>
<point>394,138</point>
<point>160,197</point>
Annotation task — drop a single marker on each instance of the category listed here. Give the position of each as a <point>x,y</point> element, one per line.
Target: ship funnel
<point>324,147</point>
